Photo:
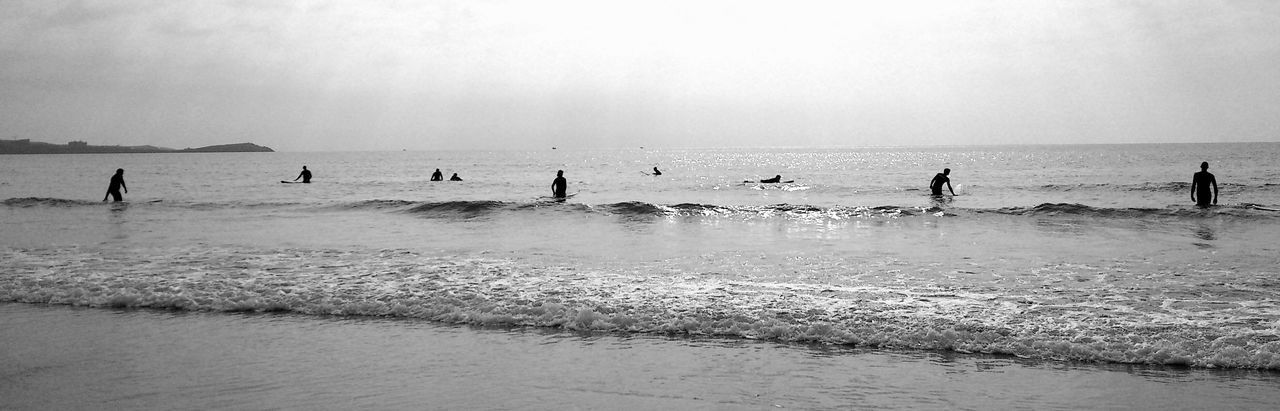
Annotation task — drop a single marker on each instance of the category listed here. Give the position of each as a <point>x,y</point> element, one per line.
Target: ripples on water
<point>852,254</point>
<point>1112,311</point>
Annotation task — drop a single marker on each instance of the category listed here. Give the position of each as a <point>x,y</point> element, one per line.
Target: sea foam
<point>1045,320</point>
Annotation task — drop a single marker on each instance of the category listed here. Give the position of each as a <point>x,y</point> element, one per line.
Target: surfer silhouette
<point>455,177</point>
<point>437,176</point>
<point>305,175</point>
<point>559,185</point>
<point>935,185</point>
<point>117,183</point>
<point>775,179</point>
<point>1201,183</point>
<point>656,172</point>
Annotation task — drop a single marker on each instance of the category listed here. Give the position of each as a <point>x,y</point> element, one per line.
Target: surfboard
<point>553,198</point>
<point>758,182</point>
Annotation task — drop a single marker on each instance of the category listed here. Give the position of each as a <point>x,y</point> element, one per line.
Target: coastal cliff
<point>80,147</point>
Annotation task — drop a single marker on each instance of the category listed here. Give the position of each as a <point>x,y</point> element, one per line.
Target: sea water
<point>1073,254</point>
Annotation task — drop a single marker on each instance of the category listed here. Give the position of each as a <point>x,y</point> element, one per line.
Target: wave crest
<point>48,202</point>
<point>465,209</point>
<point>1244,210</point>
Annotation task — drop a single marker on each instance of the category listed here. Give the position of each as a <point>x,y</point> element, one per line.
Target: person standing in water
<point>559,185</point>
<point>437,176</point>
<point>305,175</point>
<point>1201,183</point>
<point>117,183</point>
<point>935,185</point>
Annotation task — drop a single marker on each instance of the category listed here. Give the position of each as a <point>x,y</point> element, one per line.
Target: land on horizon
<point>26,146</point>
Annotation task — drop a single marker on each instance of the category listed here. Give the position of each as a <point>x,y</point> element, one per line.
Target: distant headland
<point>26,146</point>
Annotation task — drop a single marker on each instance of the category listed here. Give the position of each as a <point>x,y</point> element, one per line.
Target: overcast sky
<point>422,75</point>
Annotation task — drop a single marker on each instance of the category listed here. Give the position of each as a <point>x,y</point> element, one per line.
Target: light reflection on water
<point>1067,274</point>
<point>1099,176</point>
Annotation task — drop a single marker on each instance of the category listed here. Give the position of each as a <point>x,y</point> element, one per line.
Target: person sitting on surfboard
<point>935,185</point>
<point>656,172</point>
<point>437,176</point>
<point>775,179</point>
<point>455,177</point>
<point>1201,182</point>
<point>117,183</point>
<point>559,186</point>
<point>305,175</point>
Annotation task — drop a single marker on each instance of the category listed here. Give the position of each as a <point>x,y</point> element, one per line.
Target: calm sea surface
<point>1091,257</point>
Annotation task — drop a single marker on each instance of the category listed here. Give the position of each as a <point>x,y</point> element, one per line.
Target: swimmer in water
<point>1201,183</point>
<point>935,185</point>
<point>559,186</point>
<point>117,183</point>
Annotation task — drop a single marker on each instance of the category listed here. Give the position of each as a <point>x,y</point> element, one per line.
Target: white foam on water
<point>1062,312</point>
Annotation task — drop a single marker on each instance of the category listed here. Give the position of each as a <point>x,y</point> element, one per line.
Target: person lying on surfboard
<point>774,180</point>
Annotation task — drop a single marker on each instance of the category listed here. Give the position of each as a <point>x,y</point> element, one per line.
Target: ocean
<point>1078,267</point>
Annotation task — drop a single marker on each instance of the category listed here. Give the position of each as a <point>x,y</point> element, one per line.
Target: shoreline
<point>77,358</point>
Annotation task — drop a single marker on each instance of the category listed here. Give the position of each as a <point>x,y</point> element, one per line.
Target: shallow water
<point>65,358</point>
<point>1163,296</point>
<point>1051,255</point>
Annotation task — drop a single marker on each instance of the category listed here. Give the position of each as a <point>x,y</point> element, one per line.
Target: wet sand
<point>57,357</point>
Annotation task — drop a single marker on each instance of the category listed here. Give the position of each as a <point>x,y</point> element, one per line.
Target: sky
<point>477,74</point>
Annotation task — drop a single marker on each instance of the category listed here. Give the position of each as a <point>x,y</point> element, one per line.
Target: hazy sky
<point>422,75</point>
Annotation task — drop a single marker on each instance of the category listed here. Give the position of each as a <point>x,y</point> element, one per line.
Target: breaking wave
<point>1168,187</point>
<point>468,209</point>
<point>634,209</point>
<point>1219,325</point>
<point>1244,210</point>
<point>26,202</point>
